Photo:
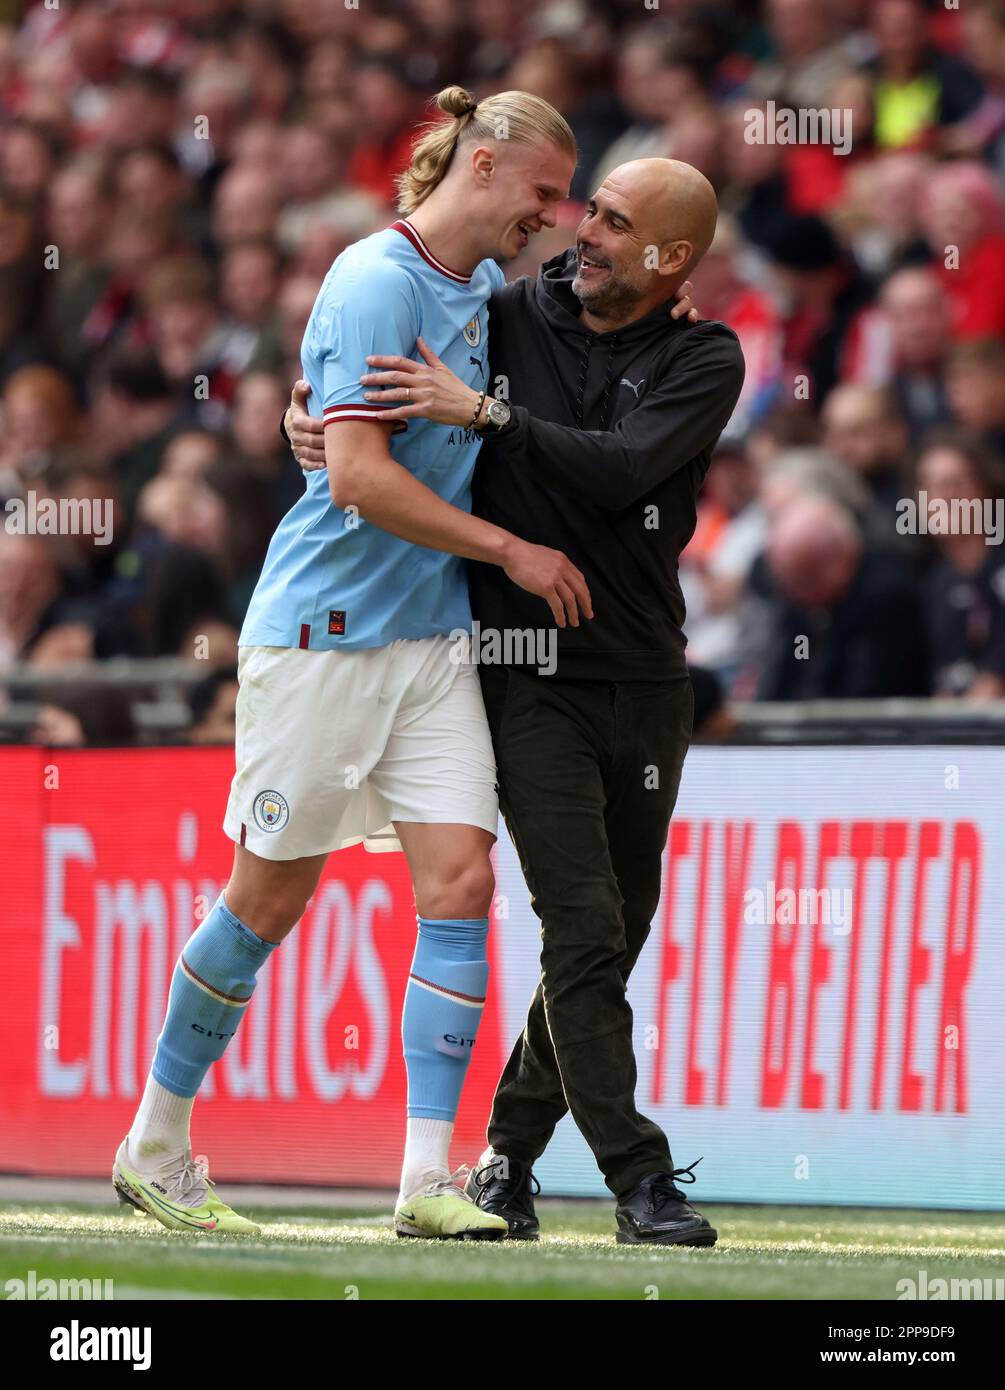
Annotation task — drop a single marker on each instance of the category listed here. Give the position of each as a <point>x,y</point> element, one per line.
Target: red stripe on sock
<point>230,998</point>
<point>455,993</point>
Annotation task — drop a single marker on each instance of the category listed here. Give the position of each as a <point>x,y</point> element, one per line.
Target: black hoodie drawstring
<point>608,381</point>
<point>584,368</point>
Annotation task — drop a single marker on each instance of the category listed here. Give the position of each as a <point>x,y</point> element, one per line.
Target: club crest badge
<point>271,811</point>
<point>473,332</point>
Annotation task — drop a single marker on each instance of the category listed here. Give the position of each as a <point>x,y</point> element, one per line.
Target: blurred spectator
<point>279,351</point>
<point>665,77</point>
<point>917,311</point>
<point>135,414</point>
<point>184,511</point>
<point>982,131</point>
<point>785,427</point>
<point>200,354</point>
<point>388,112</point>
<point>168,599</point>
<point>724,294</point>
<point>249,281</point>
<point>40,416</point>
<point>810,52</point>
<point>314,167</point>
<point>756,186</point>
<point>845,623</point>
<point>30,590</point>
<point>212,703</point>
<point>246,205</point>
<point>975,381</point>
<point>81,208</point>
<point>151,177</point>
<point>21,285</point>
<point>864,429</point>
<point>138,108</point>
<point>823,292</point>
<point>796,473</point>
<point>962,216</point>
<point>97,717</point>
<point>879,216</point>
<point>260,448</point>
<point>87,553</point>
<point>259,145</point>
<point>191,454</point>
<point>29,157</point>
<point>216,97</point>
<point>964,591</point>
<point>716,564</point>
<point>137,242</point>
<point>818,172</point>
<point>917,89</point>
<point>252,505</point>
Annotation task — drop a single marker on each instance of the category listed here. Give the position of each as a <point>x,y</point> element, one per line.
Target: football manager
<point>607,407</point>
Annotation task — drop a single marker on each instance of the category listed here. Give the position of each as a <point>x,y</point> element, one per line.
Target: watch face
<point>499,413</point>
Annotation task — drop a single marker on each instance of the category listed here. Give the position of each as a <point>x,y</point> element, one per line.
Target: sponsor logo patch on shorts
<point>271,811</point>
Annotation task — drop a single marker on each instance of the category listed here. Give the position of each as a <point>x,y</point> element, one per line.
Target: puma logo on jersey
<point>636,389</point>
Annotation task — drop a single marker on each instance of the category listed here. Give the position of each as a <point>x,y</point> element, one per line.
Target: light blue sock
<point>211,988</point>
<point>443,1007</point>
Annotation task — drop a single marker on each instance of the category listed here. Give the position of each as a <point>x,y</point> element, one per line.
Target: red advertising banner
<point>112,859</point>
<point>817,1010</point>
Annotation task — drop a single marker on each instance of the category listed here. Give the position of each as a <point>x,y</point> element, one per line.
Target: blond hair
<point>518,116</point>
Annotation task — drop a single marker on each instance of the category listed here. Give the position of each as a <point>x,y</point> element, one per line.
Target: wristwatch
<point>498,415</point>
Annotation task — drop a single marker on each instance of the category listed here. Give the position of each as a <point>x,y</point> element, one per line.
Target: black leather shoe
<point>507,1188</point>
<point>658,1213</point>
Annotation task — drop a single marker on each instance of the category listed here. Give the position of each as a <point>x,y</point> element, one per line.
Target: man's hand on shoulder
<point>684,305</point>
<point>306,435</point>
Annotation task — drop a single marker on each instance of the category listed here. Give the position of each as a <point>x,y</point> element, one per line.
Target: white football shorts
<point>333,746</point>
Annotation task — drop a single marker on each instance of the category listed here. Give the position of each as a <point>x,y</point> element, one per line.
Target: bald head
<point>646,228</point>
<point>674,201</point>
<point>814,551</point>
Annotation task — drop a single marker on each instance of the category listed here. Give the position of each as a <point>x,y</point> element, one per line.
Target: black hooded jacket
<point>610,440</point>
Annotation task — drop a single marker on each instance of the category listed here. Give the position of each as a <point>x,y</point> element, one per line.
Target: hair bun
<point>456,101</point>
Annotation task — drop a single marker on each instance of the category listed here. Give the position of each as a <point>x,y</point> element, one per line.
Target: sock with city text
<point>211,988</point>
<point>443,1007</point>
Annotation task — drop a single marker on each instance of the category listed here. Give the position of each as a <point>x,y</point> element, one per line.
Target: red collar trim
<point>407,230</point>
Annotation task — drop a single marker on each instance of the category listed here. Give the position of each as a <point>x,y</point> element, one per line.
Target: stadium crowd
<point>176,177</point>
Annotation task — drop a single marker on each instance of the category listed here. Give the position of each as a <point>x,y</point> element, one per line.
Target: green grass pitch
<point>337,1252</point>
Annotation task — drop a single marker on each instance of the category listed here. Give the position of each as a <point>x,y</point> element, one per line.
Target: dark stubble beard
<point>615,300</point>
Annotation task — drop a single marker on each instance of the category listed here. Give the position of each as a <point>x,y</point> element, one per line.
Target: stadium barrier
<point>818,1010</point>
<point>159,687</point>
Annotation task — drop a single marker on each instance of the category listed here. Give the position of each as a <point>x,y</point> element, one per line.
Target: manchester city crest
<point>271,811</point>
<point>473,332</point>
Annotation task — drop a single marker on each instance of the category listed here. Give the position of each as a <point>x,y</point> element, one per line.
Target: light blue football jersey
<point>332,580</point>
